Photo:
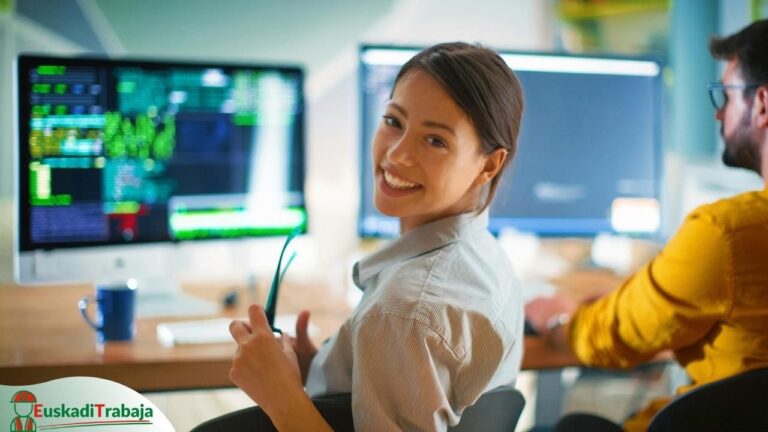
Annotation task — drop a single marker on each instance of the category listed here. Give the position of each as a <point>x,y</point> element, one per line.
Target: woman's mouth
<point>394,186</point>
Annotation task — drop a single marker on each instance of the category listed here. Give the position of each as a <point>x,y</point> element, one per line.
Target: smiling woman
<point>457,114</point>
<point>440,322</point>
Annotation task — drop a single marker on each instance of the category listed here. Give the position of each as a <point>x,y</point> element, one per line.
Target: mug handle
<point>83,306</point>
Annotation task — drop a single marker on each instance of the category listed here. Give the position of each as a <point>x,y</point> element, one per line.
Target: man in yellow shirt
<point>705,296</point>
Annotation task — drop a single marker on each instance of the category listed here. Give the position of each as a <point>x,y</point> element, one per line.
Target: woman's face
<point>427,155</point>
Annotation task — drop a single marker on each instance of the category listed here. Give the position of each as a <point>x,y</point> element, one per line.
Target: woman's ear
<point>494,161</point>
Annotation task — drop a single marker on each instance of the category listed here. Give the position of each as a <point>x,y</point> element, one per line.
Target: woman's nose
<point>401,151</point>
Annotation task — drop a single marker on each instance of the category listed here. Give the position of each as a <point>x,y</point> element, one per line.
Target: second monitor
<point>588,155</point>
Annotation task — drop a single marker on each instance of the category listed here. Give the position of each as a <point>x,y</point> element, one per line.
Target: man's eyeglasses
<point>718,92</point>
<point>271,305</point>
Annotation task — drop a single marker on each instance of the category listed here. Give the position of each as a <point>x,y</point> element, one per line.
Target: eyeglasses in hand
<point>271,305</point>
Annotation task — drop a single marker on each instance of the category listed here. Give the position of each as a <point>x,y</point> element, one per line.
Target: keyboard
<point>173,305</point>
<point>214,330</point>
<point>206,331</point>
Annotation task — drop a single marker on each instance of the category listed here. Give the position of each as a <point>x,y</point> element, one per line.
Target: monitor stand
<point>162,297</point>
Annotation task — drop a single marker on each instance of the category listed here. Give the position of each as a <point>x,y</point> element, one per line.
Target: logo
<point>22,405</point>
<point>79,403</point>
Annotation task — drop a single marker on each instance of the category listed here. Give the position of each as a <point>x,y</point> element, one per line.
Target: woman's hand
<point>302,345</point>
<point>266,369</point>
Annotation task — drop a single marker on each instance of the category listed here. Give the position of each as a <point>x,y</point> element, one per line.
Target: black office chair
<point>496,411</point>
<point>737,403</point>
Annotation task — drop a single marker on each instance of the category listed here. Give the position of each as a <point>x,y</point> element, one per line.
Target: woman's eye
<point>436,142</point>
<point>391,121</point>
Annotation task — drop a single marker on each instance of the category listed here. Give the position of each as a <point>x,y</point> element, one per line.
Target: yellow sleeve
<point>670,303</point>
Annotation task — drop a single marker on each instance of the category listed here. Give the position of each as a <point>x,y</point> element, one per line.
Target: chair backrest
<point>336,410</point>
<point>737,403</point>
<point>495,411</point>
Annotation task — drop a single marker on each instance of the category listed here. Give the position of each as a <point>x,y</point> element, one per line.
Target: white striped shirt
<point>439,324</point>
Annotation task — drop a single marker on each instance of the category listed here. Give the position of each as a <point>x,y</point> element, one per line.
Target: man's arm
<point>671,302</point>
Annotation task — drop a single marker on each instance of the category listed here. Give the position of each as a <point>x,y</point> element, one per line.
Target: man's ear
<point>494,161</point>
<point>760,107</point>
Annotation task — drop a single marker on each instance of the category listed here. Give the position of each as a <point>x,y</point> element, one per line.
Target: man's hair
<point>750,47</point>
<point>484,87</point>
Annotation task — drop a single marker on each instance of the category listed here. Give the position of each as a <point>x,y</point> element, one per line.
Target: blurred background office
<point>324,38</point>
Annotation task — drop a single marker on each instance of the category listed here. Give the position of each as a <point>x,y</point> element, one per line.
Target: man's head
<point>744,114</point>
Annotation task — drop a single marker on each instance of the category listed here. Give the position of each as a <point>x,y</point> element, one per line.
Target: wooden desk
<point>43,337</point>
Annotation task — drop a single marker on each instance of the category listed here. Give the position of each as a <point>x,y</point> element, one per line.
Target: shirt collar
<point>418,241</point>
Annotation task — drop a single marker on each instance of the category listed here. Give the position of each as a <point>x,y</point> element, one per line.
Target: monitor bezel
<point>22,112</point>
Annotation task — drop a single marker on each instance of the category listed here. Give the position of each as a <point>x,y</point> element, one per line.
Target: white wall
<point>17,34</point>
<point>5,148</point>
<point>322,36</point>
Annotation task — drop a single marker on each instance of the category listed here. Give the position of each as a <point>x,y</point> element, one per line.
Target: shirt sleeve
<point>669,303</point>
<point>405,376</point>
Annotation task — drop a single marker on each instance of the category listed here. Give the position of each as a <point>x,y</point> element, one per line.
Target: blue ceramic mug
<point>115,305</point>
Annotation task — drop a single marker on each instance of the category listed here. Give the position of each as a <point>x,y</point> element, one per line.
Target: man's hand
<point>541,311</point>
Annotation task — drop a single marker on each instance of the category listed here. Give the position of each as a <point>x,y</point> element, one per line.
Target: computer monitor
<point>588,155</point>
<point>121,161</point>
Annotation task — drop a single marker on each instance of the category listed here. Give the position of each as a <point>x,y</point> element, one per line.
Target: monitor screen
<point>121,153</point>
<point>588,153</point>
